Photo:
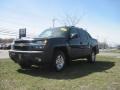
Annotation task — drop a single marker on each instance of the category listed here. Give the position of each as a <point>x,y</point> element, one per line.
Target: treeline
<point>6,40</point>
<point>118,47</point>
<point>103,45</point>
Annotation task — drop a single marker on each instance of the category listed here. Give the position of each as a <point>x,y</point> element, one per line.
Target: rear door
<point>84,42</point>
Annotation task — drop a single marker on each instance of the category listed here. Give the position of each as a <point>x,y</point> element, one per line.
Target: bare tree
<point>118,47</point>
<point>71,20</point>
<point>103,45</point>
<point>68,20</point>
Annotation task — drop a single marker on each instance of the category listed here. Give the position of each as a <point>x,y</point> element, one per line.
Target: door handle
<point>80,42</point>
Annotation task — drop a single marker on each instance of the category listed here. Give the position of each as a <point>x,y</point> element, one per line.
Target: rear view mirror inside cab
<point>73,35</point>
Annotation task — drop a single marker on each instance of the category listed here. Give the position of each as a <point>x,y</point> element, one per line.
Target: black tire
<point>92,57</point>
<point>59,61</point>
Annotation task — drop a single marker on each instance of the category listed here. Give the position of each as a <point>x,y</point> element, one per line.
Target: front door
<point>74,42</point>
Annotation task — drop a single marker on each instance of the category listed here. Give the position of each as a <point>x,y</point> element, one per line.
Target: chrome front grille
<point>23,45</point>
<point>23,48</point>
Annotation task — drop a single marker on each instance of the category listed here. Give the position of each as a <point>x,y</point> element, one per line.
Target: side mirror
<point>74,35</point>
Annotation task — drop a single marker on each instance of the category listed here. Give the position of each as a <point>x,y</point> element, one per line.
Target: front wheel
<point>92,57</point>
<point>59,61</point>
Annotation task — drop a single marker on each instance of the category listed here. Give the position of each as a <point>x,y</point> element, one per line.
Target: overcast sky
<point>101,18</point>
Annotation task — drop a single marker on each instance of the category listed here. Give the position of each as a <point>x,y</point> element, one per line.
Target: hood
<point>26,38</point>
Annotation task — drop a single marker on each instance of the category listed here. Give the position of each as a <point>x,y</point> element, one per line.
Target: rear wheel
<point>59,61</point>
<point>92,57</point>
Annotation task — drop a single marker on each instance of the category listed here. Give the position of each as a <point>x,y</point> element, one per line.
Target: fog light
<point>38,59</point>
<point>12,53</point>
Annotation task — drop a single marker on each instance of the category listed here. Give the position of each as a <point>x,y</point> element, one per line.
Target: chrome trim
<point>25,51</point>
<point>26,44</point>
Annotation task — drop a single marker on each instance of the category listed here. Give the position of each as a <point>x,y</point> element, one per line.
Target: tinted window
<point>73,31</point>
<point>89,36</point>
<point>83,35</point>
<point>54,32</point>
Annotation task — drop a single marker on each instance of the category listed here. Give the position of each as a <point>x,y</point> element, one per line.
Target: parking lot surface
<point>4,54</point>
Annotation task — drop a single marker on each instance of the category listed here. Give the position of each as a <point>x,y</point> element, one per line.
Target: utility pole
<point>53,22</point>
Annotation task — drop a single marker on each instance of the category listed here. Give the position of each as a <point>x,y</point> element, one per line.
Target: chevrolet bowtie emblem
<point>21,44</point>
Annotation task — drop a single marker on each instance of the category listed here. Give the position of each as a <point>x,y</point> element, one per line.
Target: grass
<point>115,51</point>
<point>103,75</point>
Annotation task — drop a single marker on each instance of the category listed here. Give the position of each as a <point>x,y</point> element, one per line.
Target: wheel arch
<point>95,49</point>
<point>64,50</point>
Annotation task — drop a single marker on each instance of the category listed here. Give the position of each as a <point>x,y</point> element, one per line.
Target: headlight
<point>41,42</point>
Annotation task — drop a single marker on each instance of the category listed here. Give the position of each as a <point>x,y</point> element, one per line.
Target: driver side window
<point>73,33</point>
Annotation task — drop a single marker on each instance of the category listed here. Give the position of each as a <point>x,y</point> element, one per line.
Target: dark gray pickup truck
<point>56,47</point>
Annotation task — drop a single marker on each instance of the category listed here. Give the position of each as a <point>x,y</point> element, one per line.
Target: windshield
<point>54,32</point>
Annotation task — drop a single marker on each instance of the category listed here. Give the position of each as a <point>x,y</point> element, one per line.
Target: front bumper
<point>32,57</point>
